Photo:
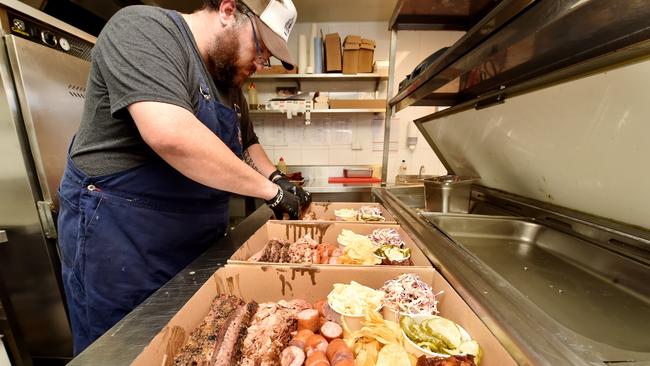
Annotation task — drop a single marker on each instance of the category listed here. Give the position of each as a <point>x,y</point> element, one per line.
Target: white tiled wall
<point>347,139</point>
<point>333,139</point>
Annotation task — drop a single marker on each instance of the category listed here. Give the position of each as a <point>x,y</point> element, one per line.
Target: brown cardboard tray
<point>273,283</point>
<point>323,232</point>
<point>325,211</point>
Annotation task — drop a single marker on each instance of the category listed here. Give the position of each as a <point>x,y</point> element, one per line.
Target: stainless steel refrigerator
<point>44,65</point>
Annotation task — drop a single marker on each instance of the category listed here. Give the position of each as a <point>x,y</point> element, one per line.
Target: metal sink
<point>410,179</point>
<point>412,196</point>
<point>596,293</point>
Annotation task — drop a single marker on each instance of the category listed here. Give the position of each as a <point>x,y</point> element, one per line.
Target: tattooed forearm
<point>248,159</point>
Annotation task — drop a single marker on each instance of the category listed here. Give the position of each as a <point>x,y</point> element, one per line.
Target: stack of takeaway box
<point>264,282</point>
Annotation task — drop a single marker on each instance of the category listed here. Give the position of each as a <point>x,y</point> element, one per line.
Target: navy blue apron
<point>122,236</point>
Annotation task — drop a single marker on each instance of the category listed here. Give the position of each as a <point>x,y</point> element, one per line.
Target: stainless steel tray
<point>596,293</point>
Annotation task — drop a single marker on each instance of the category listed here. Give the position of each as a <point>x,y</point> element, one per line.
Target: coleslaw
<point>388,236</point>
<point>410,295</point>
<point>370,213</point>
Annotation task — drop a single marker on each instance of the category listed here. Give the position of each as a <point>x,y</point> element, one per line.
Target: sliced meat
<point>202,342</point>
<point>296,305</point>
<point>308,319</point>
<point>318,305</point>
<point>268,335</point>
<point>292,356</point>
<point>466,360</point>
<point>331,330</point>
<point>330,314</point>
<point>230,337</point>
<point>284,254</point>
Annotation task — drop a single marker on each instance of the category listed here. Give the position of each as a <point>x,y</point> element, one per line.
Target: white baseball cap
<point>274,20</point>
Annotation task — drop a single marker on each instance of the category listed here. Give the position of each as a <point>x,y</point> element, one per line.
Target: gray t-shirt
<point>140,55</point>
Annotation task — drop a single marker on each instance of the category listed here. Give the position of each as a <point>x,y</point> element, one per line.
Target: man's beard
<point>222,59</point>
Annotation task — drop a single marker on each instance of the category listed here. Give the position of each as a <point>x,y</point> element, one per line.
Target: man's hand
<point>285,202</point>
<point>280,179</point>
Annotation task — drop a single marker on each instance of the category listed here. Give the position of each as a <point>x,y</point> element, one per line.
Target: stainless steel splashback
<point>581,144</point>
<point>51,96</point>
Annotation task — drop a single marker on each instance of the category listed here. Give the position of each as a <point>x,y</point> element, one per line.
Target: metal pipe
<point>389,109</point>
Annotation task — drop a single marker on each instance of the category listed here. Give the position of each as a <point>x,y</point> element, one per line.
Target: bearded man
<point>165,138</point>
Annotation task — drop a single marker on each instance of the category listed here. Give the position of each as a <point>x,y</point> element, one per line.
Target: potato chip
<point>393,355</point>
<point>358,250</point>
<point>354,299</point>
<point>377,334</point>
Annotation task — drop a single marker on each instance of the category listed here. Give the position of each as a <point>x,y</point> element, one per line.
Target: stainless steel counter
<point>528,330</point>
<point>122,343</point>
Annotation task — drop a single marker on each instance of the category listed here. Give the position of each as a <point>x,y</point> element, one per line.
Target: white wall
<point>347,139</point>
<point>412,48</point>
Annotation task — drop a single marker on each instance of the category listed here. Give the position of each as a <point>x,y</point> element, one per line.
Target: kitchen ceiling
<point>308,10</point>
<point>91,15</point>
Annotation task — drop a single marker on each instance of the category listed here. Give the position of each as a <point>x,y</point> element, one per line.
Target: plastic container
<point>353,322</point>
<point>252,95</point>
<point>403,168</point>
<point>418,351</point>
<point>282,166</point>
<point>357,173</point>
<point>394,262</point>
<point>346,214</point>
<point>448,193</point>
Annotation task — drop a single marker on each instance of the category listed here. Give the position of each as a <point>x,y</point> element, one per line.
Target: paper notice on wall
<point>340,131</point>
<point>377,126</point>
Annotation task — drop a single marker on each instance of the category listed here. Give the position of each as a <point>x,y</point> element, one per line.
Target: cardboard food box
<point>357,103</point>
<point>351,54</point>
<point>366,55</point>
<point>323,232</point>
<point>325,211</point>
<point>333,52</point>
<point>264,284</point>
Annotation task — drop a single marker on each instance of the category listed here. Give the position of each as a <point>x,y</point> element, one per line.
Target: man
<point>163,134</point>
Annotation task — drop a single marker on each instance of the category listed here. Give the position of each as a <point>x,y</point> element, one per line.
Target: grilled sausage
<point>317,358</point>
<point>315,343</point>
<point>308,319</point>
<point>292,356</point>
<point>338,351</point>
<point>300,340</point>
<point>331,330</point>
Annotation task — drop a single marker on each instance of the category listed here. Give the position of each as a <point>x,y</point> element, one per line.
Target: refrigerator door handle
<point>47,220</point>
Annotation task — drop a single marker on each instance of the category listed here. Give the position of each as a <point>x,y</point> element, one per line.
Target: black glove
<point>280,179</point>
<point>285,202</point>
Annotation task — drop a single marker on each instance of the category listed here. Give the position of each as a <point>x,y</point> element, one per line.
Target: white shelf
<point>325,111</point>
<point>317,77</point>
